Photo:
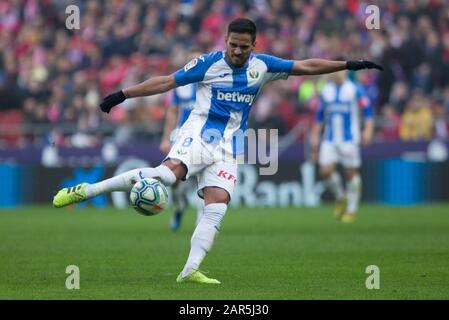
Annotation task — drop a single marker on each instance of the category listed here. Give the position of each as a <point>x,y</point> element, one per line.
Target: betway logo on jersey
<point>235,97</point>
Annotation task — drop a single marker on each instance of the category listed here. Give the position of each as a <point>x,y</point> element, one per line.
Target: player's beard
<point>236,61</point>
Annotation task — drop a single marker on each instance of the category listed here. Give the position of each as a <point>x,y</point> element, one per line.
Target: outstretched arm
<point>149,87</point>
<point>322,66</point>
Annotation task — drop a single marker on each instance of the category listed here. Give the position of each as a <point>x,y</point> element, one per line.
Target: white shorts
<point>203,160</point>
<point>345,153</point>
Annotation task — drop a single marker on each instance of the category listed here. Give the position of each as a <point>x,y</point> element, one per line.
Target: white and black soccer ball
<point>149,197</point>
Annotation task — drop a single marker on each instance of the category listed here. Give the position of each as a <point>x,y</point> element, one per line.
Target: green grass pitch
<point>272,253</point>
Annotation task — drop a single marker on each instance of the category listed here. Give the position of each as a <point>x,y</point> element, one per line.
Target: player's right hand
<point>367,137</point>
<point>314,154</point>
<point>314,141</point>
<point>112,100</point>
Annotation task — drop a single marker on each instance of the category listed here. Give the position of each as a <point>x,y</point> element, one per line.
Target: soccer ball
<point>149,197</point>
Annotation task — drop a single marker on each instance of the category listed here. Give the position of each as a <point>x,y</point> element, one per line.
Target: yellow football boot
<point>340,207</point>
<point>197,277</point>
<point>67,196</point>
<point>348,217</point>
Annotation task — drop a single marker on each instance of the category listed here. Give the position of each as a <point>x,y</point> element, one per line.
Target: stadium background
<point>52,134</point>
<point>52,80</point>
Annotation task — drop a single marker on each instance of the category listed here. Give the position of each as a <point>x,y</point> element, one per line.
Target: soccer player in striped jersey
<point>342,103</point>
<point>228,82</point>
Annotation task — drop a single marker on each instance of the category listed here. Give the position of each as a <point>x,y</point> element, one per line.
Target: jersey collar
<point>245,66</point>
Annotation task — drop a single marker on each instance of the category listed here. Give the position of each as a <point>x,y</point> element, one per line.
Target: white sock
<point>335,185</point>
<point>204,235</point>
<point>354,192</point>
<point>125,181</point>
<point>199,210</point>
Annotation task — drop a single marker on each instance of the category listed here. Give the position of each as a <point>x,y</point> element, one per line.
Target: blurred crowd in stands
<point>52,78</point>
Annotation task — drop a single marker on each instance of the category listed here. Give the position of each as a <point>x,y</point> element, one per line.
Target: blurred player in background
<point>342,101</point>
<point>183,101</point>
<point>228,82</point>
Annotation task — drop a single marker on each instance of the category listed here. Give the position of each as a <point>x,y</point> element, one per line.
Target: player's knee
<point>215,195</point>
<point>177,167</point>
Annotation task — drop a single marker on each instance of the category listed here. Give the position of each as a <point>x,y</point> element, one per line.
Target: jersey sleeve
<point>364,102</point>
<point>195,70</point>
<point>277,68</point>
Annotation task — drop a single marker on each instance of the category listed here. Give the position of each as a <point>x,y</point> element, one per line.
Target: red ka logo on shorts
<point>227,176</point>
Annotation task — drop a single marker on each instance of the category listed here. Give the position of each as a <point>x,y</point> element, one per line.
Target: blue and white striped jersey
<point>225,94</point>
<point>184,99</point>
<point>339,111</point>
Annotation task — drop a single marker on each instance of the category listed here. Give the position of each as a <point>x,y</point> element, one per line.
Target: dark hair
<point>243,25</point>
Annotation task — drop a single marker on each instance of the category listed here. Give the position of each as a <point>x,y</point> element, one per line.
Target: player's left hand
<point>367,137</point>
<point>314,155</point>
<point>362,64</point>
